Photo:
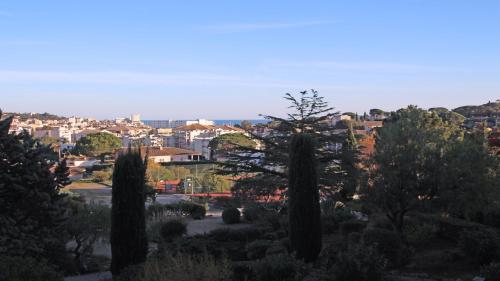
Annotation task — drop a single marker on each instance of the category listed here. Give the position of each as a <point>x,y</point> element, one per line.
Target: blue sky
<point>236,59</point>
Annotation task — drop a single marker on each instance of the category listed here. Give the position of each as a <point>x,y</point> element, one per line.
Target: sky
<point>237,59</point>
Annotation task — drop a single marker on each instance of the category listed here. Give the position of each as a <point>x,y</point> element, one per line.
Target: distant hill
<point>39,116</point>
<point>488,109</point>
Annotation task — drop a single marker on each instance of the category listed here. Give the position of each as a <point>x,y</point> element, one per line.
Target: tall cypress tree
<point>128,222</point>
<point>304,208</point>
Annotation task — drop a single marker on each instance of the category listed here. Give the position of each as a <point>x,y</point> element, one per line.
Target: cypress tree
<point>303,200</point>
<point>128,222</point>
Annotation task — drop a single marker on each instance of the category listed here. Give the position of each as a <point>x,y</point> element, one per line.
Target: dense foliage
<point>303,199</point>
<point>128,221</point>
<point>32,211</point>
<point>265,168</point>
<point>98,145</point>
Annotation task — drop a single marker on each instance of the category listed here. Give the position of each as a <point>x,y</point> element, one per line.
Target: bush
<point>351,226</point>
<point>359,263</point>
<point>172,229</point>
<point>419,233</point>
<point>279,267</point>
<point>27,269</point>
<point>182,267</point>
<point>241,235</point>
<point>491,272</point>
<point>183,208</point>
<point>257,249</point>
<point>231,216</point>
<point>388,243</point>
<point>381,222</point>
<point>479,245</point>
<point>331,220</point>
<point>251,213</point>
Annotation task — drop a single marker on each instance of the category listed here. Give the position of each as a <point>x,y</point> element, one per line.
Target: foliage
<point>279,267</point>
<point>85,225</point>
<point>257,249</point>
<point>387,242</point>
<point>348,227</point>
<point>376,111</point>
<point>128,223</point>
<point>27,269</point>
<point>182,267</point>
<point>172,229</point>
<point>156,172</point>
<point>418,233</point>
<point>491,271</point>
<point>159,211</point>
<point>212,182</point>
<point>265,168</point>
<point>409,155</point>
<point>98,144</point>
<point>225,143</point>
<point>231,216</point>
<point>102,176</point>
<point>479,245</point>
<point>488,109</point>
<point>360,263</point>
<point>242,235</point>
<point>32,210</point>
<point>303,202</point>
<point>252,213</point>
<point>471,178</point>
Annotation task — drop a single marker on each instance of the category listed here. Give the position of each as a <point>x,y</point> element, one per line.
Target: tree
<point>129,244</point>
<point>98,145</point>
<point>212,182</point>
<point>156,173</point>
<point>225,143</point>
<point>32,210</point>
<point>246,125</point>
<point>350,173</point>
<point>85,225</point>
<point>303,201</point>
<point>265,168</point>
<point>409,154</point>
<point>376,111</point>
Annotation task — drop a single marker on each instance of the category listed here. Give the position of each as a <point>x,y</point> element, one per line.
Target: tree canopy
<point>32,211</point>
<point>98,144</point>
<point>264,169</point>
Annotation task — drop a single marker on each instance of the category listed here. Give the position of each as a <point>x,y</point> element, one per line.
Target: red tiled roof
<point>193,127</point>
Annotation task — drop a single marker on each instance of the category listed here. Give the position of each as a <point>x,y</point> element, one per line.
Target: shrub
<point>279,267</point>
<point>242,235</point>
<point>182,267</point>
<point>257,249</point>
<point>183,208</point>
<point>381,222</point>
<point>491,272</point>
<point>388,243</point>
<point>172,229</point>
<point>479,245</point>
<point>331,220</point>
<point>251,213</point>
<point>24,269</point>
<point>231,216</point>
<point>351,226</point>
<point>418,233</point>
<point>359,263</point>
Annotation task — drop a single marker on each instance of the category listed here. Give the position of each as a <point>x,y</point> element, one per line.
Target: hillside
<point>488,109</point>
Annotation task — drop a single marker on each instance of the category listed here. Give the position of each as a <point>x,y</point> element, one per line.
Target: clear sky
<point>236,59</point>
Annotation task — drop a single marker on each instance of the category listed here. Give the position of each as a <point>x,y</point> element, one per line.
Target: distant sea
<point>238,122</point>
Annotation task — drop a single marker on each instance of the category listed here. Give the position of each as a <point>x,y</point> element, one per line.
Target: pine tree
<point>266,165</point>
<point>303,201</point>
<point>128,223</point>
<point>32,211</point>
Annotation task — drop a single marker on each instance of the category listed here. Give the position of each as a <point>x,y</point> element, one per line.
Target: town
<point>249,140</point>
